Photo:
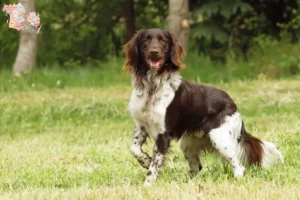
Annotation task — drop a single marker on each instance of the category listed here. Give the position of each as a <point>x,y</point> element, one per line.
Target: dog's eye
<point>161,39</point>
<point>148,37</point>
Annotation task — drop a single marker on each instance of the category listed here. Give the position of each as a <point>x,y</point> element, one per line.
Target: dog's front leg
<point>138,140</point>
<point>160,150</point>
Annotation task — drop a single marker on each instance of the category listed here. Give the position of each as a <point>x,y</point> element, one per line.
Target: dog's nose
<point>154,52</point>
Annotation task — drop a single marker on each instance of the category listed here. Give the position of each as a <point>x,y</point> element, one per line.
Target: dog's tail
<point>258,152</point>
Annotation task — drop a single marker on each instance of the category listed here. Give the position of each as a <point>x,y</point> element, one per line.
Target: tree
<point>26,56</point>
<point>129,16</point>
<point>216,26</point>
<point>178,20</point>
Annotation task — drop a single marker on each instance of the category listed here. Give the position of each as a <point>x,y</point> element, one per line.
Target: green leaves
<point>224,8</point>
<point>79,31</point>
<point>209,31</point>
<point>221,25</point>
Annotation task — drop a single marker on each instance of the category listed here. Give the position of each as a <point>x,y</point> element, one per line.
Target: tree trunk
<point>26,56</point>
<point>129,16</point>
<point>178,21</point>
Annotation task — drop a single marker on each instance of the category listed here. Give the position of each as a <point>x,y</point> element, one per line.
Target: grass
<point>199,69</point>
<point>66,135</point>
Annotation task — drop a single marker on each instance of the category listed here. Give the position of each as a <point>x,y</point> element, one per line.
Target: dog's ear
<point>176,52</point>
<point>131,51</point>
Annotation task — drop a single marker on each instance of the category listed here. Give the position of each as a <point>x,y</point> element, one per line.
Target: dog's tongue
<point>154,64</point>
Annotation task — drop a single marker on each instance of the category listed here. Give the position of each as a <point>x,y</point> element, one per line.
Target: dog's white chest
<point>149,110</point>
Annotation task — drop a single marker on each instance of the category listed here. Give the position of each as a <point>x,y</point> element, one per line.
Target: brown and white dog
<point>165,107</point>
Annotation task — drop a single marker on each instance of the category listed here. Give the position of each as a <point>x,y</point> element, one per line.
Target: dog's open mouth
<point>155,63</point>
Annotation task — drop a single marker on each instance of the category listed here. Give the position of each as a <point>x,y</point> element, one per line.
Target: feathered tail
<point>258,152</point>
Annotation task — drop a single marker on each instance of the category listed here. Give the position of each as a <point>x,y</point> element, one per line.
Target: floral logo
<point>20,19</point>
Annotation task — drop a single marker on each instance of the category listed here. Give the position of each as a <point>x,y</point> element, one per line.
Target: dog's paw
<point>239,171</point>
<point>148,183</point>
<point>150,179</point>
<point>192,173</point>
<point>145,163</point>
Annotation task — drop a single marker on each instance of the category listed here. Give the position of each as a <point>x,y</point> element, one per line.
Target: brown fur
<point>194,108</point>
<point>177,53</point>
<point>133,52</point>
<point>254,149</point>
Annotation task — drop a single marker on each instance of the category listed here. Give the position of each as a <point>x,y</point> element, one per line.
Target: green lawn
<point>71,141</point>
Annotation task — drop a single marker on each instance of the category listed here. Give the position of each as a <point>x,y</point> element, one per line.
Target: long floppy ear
<point>176,52</point>
<point>131,50</point>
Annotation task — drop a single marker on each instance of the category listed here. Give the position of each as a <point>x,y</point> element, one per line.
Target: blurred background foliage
<point>259,33</point>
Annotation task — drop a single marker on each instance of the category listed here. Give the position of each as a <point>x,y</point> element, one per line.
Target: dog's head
<point>153,49</point>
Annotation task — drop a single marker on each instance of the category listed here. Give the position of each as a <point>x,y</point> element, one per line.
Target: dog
<point>165,107</point>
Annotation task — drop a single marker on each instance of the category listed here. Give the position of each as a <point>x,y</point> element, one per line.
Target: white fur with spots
<point>138,140</point>
<point>225,140</point>
<point>148,110</point>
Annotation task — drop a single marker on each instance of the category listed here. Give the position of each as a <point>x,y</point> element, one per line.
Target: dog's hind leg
<point>190,147</point>
<point>138,140</point>
<point>224,139</point>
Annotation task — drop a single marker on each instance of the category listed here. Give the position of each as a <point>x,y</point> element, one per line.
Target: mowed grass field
<point>72,142</point>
